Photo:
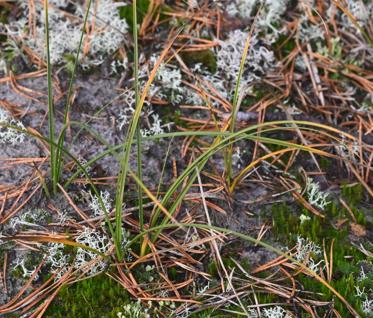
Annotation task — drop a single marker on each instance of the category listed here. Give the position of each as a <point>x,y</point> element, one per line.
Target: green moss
<point>99,296</point>
<point>4,14</point>
<point>125,12</point>
<point>70,63</point>
<point>212,269</point>
<point>325,163</point>
<point>206,58</point>
<point>346,257</point>
<point>353,193</point>
<point>284,45</point>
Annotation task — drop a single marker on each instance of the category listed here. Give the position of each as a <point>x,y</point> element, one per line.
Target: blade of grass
<point>235,103</point>
<point>51,120</point>
<point>255,162</point>
<point>138,132</point>
<point>61,138</point>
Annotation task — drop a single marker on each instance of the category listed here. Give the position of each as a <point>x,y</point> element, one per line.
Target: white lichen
<point>156,127</point>
<point>242,8</point>
<point>259,59</point>
<point>363,293</point>
<point>26,273</point>
<point>367,306</point>
<point>125,114</point>
<point>106,34</point>
<point>305,253</point>
<point>258,62</point>
<point>117,66</point>
<point>96,241</point>
<point>303,218</point>
<point>96,207</point>
<point>57,259</point>
<point>87,260</point>
<point>316,197</point>
<point>83,162</point>
<point>304,248</point>
<point>10,135</point>
<point>30,218</point>
<point>271,10</point>
<point>359,10</point>
<point>362,275</point>
<point>359,292</point>
<point>276,312</point>
<point>169,83</point>
<point>3,66</point>
<point>134,310</point>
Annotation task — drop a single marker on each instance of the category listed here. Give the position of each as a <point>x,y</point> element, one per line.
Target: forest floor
<point>220,165</point>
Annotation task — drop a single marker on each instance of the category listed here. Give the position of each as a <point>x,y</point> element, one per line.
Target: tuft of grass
<point>236,101</point>
<point>61,139</point>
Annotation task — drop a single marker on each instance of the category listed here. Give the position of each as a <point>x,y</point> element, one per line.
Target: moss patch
<point>99,296</point>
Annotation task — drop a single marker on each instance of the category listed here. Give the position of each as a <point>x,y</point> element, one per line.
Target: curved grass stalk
<point>229,140</point>
<point>84,126</point>
<point>244,171</point>
<point>199,164</point>
<point>235,103</point>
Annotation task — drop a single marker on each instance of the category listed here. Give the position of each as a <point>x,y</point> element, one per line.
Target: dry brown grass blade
<point>298,196</point>
<point>273,263</point>
<point>129,283</point>
<point>12,304</point>
<point>14,210</point>
<point>147,20</point>
<point>47,238</point>
<point>35,74</point>
<point>76,209</point>
<point>244,171</point>
<point>176,300</point>
<point>361,180</point>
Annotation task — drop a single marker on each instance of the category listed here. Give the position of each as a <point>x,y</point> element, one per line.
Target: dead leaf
<point>358,229</point>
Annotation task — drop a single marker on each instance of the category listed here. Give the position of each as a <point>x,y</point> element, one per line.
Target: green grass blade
<point>61,138</point>
<point>51,119</point>
<point>235,102</point>
<point>138,132</point>
<point>306,126</point>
